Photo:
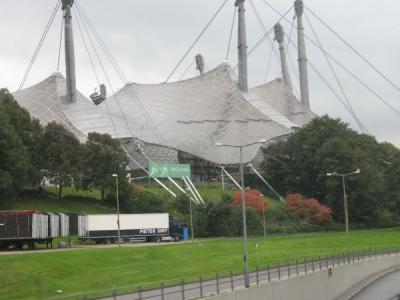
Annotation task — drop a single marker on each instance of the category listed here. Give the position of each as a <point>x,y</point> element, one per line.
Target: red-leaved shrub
<point>309,209</point>
<point>253,198</point>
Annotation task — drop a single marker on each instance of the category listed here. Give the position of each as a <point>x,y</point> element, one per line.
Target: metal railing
<point>229,281</point>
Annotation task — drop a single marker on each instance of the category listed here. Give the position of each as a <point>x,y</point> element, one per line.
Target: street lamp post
<point>264,223</point>
<point>345,202</point>
<point>245,240</point>
<point>119,233</point>
<point>191,218</point>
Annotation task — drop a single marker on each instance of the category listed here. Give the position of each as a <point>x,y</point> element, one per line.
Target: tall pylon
<point>242,47</point>
<point>303,69</point>
<point>280,38</point>
<point>200,63</point>
<point>69,51</point>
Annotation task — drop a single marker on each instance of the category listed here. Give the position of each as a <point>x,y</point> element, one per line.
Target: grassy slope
<point>212,194</point>
<point>69,191</point>
<point>86,202</point>
<point>41,274</point>
<point>50,203</point>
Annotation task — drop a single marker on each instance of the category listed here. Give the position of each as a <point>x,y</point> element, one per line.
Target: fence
<point>229,281</point>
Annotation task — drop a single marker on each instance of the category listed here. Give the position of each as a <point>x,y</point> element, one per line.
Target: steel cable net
<point>342,65</point>
<point>181,116</point>
<point>141,106</point>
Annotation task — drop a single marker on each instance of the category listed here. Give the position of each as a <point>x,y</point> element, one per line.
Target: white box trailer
<point>64,225</point>
<point>54,225</point>
<point>82,225</point>
<point>145,227</point>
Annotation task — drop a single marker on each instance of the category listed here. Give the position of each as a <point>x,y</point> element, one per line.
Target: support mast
<point>200,63</point>
<point>280,38</point>
<point>69,51</point>
<point>242,47</point>
<point>304,90</point>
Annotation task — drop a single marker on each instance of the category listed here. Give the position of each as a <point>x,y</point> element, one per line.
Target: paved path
<point>227,282</point>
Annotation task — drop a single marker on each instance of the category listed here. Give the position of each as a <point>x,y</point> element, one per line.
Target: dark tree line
<point>300,165</point>
<point>31,153</point>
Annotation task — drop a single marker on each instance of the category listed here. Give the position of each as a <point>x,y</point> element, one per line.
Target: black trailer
<point>19,228</point>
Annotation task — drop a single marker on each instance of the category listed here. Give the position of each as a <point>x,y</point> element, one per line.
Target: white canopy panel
<point>190,115</point>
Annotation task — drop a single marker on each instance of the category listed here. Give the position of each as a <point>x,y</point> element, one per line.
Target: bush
<point>385,218</point>
<point>309,209</point>
<point>141,202</point>
<point>254,200</point>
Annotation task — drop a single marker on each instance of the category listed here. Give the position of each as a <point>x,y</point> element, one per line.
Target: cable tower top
<point>200,63</point>
<point>299,7</point>
<point>279,35</point>
<point>66,4</point>
<point>237,2</point>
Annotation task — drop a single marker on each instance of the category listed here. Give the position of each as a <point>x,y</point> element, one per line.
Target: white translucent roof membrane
<point>277,95</point>
<point>190,115</point>
<point>193,115</point>
<point>46,101</point>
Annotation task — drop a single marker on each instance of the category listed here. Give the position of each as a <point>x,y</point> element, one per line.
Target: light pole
<point>119,233</point>
<point>264,223</point>
<point>345,204</point>
<point>191,217</point>
<point>246,254</point>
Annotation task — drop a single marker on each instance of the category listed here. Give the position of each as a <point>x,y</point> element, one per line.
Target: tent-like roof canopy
<point>190,115</point>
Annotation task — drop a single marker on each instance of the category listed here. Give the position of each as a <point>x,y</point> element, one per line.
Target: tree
<point>14,163</point>
<point>295,163</point>
<point>346,154</point>
<point>63,154</point>
<point>390,160</point>
<point>103,156</point>
<point>254,200</point>
<point>300,164</point>
<point>30,133</point>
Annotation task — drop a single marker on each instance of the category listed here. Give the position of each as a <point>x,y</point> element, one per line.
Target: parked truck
<point>133,227</point>
<point>29,228</point>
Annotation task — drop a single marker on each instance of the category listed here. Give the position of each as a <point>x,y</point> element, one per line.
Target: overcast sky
<point>148,37</point>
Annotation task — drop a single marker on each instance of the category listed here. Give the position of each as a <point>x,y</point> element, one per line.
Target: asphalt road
<point>385,288</point>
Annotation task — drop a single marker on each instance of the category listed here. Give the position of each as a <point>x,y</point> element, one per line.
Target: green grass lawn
<point>40,275</point>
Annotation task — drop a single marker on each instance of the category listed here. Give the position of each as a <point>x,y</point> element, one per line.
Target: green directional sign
<point>161,170</point>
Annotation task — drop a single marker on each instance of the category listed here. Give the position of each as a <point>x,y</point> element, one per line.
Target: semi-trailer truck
<point>29,228</point>
<point>133,227</point>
